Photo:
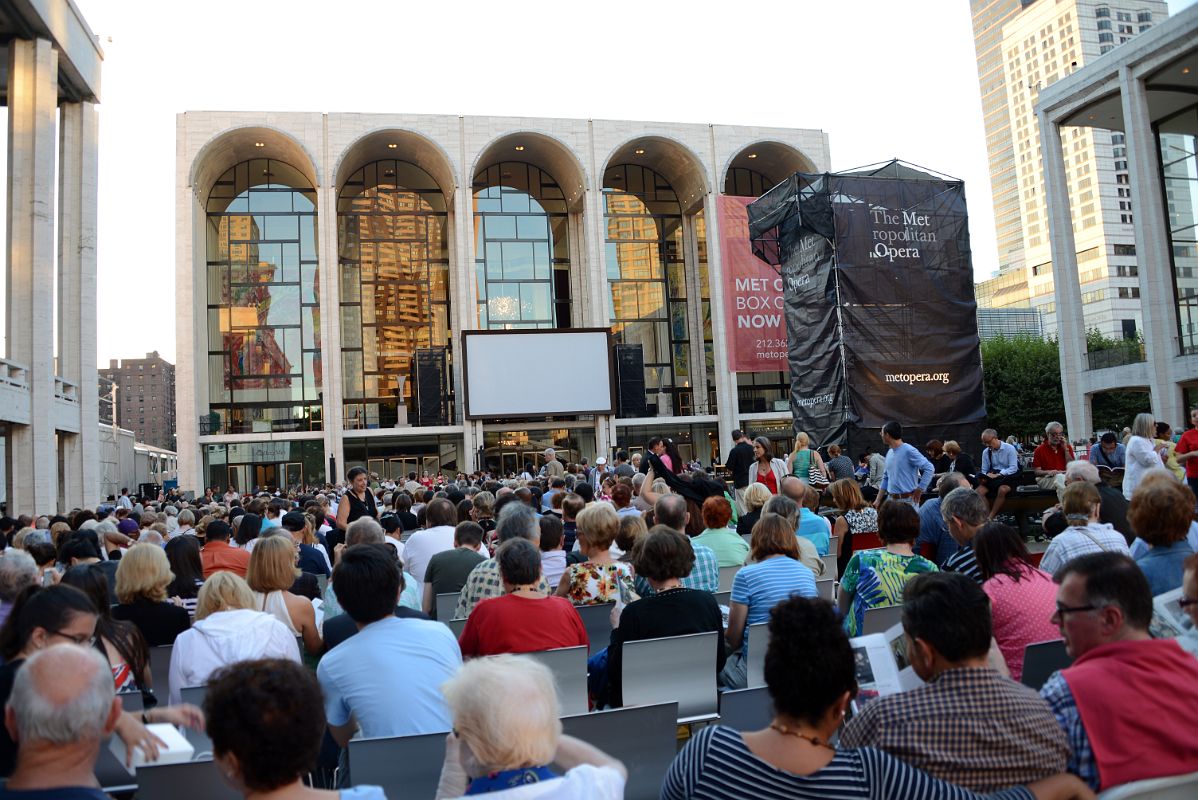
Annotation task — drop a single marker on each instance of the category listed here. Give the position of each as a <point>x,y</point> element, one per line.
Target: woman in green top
<point>730,550</point>
<point>875,578</point>
<point>801,459</point>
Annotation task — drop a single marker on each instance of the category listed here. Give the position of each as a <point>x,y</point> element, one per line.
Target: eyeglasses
<point>1186,602</point>
<point>1063,610</point>
<point>82,640</point>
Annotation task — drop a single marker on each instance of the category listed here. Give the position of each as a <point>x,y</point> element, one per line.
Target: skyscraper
<point>1038,43</point>
<point>989,17</point>
<point>145,398</point>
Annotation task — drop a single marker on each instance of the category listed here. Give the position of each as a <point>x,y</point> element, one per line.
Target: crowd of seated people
<point>295,668</point>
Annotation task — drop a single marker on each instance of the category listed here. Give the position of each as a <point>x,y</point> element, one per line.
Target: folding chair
<point>880,620</point>
<point>826,587</point>
<point>405,766</point>
<point>830,567</point>
<point>746,709</point>
<point>1042,659</point>
<point>199,739</point>
<point>1178,787</point>
<point>456,626</point>
<point>597,620</point>
<point>190,780</point>
<point>569,668</point>
<point>723,598</point>
<point>680,668</point>
<point>644,738</point>
<point>726,576</point>
<point>445,605</point>
<point>160,672</point>
<point>759,642</point>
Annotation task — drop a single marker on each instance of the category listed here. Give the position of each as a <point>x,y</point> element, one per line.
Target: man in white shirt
<point>440,519</point>
<point>123,501</point>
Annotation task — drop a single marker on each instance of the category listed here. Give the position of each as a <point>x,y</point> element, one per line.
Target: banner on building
<point>878,299</point>
<point>755,326</point>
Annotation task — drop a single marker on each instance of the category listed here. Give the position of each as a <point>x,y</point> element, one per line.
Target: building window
<point>264,363</point>
<point>1102,11</point>
<point>523,248</point>
<point>1129,293</point>
<point>394,273</point>
<point>646,277</point>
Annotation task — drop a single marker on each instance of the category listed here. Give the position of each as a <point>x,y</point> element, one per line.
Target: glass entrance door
<point>293,474</point>
<point>266,476</point>
<point>239,478</point>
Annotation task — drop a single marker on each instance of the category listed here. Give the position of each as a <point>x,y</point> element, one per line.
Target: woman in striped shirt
<point>809,669</point>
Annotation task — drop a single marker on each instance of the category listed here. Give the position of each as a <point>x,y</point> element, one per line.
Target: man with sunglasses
<point>1050,458</point>
<point>1127,702</point>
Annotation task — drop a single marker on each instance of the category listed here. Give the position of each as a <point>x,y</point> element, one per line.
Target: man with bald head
<point>812,526</point>
<point>61,709</point>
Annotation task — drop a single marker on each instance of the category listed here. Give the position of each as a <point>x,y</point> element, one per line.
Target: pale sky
<point>883,79</point>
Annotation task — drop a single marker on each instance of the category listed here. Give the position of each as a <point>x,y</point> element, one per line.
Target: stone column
<point>464,290</point>
<point>78,173</point>
<point>32,100</point>
<point>1066,285</point>
<point>327,250</point>
<point>1159,307</point>
<point>728,405</point>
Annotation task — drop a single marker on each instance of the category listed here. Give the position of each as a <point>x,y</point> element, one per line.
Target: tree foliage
<point>1023,384</point>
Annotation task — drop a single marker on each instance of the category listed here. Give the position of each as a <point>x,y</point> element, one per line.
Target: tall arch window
<point>646,275</point>
<point>394,268</point>
<point>756,392</point>
<point>264,362</point>
<point>522,257</point>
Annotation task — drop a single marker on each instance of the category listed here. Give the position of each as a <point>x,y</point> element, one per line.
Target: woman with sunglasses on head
<point>62,614</point>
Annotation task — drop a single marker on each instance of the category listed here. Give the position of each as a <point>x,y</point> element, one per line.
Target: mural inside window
<point>264,362</point>
<point>393,258</point>
<point>522,253</point>
<point>646,274</point>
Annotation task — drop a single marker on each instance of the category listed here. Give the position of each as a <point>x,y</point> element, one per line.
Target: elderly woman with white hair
<point>17,571</point>
<point>507,739</point>
<point>1141,453</point>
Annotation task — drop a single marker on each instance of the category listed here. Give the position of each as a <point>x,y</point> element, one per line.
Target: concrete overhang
<point>79,53</point>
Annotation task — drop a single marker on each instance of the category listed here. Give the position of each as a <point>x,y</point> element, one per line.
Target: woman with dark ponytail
<point>120,642</point>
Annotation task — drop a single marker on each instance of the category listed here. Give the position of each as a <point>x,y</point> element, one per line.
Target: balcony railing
<point>14,374</point>
<point>1123,353</point>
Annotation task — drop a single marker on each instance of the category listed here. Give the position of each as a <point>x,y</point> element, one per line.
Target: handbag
<point>815,476</point>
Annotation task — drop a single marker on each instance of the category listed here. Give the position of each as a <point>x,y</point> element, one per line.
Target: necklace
<point>785,731</point>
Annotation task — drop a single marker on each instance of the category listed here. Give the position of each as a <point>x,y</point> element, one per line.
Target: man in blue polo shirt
<point>1000,470</point>
<point>908,471</point>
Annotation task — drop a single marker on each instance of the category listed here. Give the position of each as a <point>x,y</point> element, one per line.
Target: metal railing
<point>1117,356</point>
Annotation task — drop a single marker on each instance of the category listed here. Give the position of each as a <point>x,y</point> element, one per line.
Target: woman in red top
<point>766,469</point>
<point>523,620</point>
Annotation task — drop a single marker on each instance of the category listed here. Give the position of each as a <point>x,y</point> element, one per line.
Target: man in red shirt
<point>1050,459</point>
<point>1187,451</point>
<point>525,619</point>
<point>217,555</point>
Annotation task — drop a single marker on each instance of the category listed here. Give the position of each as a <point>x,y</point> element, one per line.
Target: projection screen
<point>521,374</point>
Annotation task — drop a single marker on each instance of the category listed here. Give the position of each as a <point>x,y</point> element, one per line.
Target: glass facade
<point>265,466</point>
<point>522,254</point>
<point>393,257</point>
<point>394,457</point>
<point>263,304</point>
<point>646,274</point>
<point>693,441</point>
<point>1178,141</point>
<point>511,451</point>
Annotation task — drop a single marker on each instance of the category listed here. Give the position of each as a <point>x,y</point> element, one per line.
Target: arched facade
<point>424,227</point>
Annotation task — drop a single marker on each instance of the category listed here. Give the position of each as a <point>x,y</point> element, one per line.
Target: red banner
<point>754,323</point>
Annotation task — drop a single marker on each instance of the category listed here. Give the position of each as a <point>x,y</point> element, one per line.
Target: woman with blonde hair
<point>507,735</point>
<point>1142,454</point>
<point>803,462</point>
<point>228,629</point>
<point>271,573</point>
<point>599,579</point>
<point>141,580</point>
<point>755,496</point>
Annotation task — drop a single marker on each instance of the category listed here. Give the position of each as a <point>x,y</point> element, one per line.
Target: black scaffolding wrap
<point>878,295</point>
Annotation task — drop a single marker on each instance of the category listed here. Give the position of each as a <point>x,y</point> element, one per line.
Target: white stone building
<point>1146,91</point>
<point>399,232</point>
<point>48,403</point>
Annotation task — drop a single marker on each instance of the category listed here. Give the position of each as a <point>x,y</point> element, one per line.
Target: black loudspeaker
<point>630,380</point>
<point>431,392</point>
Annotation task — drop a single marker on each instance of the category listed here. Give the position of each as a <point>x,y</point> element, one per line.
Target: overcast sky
<point>883,79</point>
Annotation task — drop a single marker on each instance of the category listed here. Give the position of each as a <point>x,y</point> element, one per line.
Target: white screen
<point>540,373</point>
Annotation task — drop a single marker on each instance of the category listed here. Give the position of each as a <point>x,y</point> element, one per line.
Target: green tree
<point>1023,384</point>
